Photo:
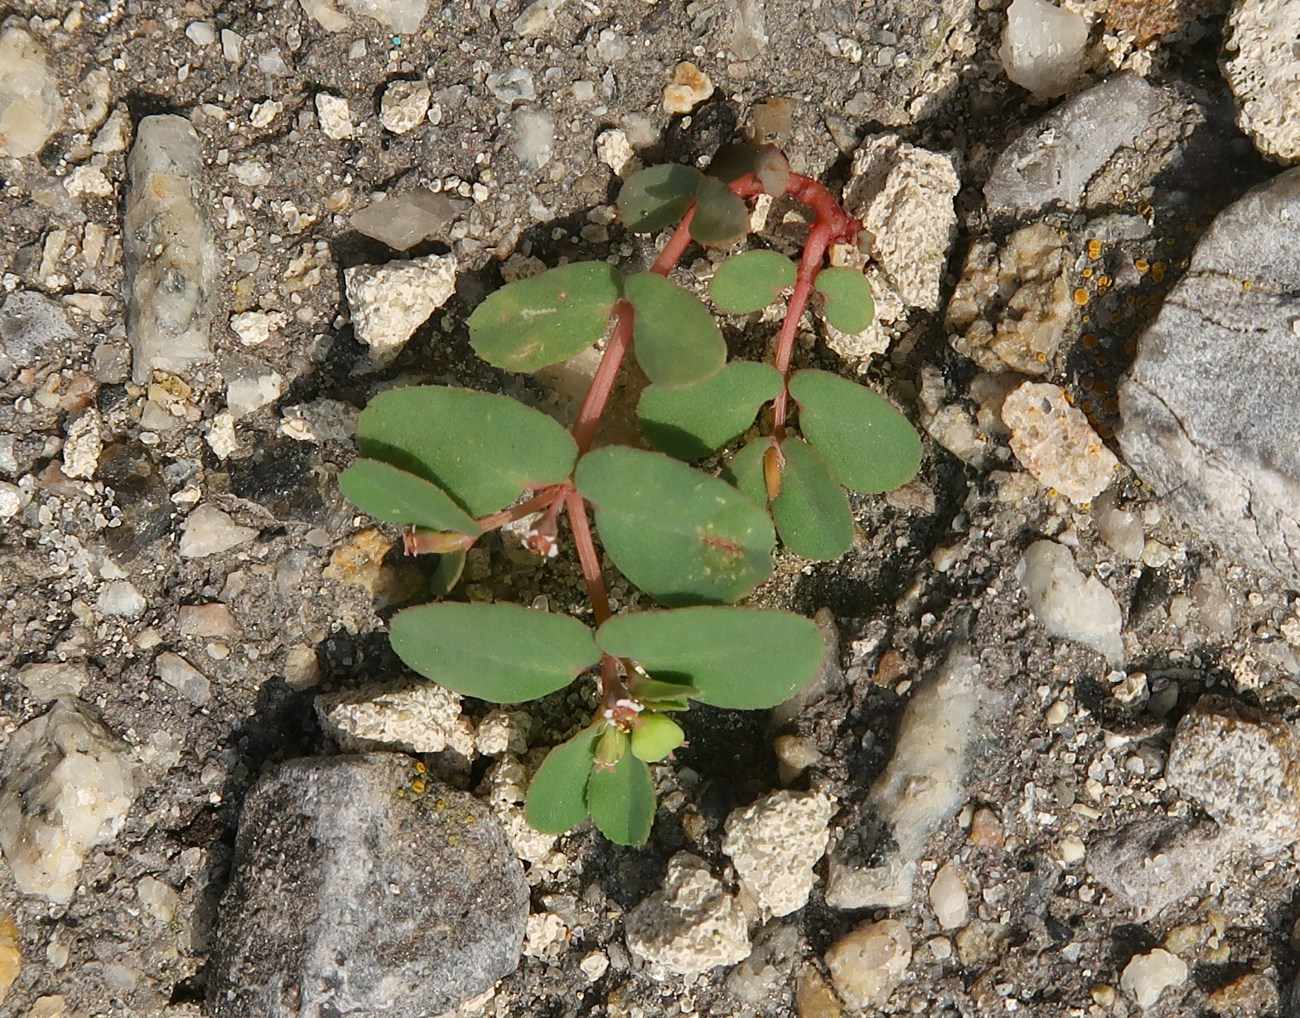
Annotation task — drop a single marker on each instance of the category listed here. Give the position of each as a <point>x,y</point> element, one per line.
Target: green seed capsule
<point>611,747</point>
<point>655,736</point>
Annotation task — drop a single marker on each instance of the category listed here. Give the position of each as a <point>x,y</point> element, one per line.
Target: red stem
<point>587,556</point>
<point>543,500</point>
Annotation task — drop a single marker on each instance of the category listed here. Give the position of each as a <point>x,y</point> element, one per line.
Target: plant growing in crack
<point>453,464</point>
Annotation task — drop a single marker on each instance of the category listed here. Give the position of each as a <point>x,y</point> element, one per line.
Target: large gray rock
<point>170,254</point>
<point>1211,406</point>
<point>1153,863</point>
<point>353,895</point>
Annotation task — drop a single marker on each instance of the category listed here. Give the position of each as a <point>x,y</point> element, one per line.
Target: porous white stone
<point>404,105</point>
<point>334,116</point>
<point>774,844</point>
<point>83,445</point>
<point>389,302</point>
<point>1043,47</point>
<point>255,327</point>
<point>689,87</point>
<point>1149,975</point>
<point>615,151</point>
<point>1054,441</point>
<point>503,731</point>
<point>210,531</point>
<point>1068,603</point>
<point>30,104</point>
<point>1264,74</point>
<point>66,785</point>
<point>868,963</point>
<point>184,678</point>
<point>690,925</point>
<point>413,716</point>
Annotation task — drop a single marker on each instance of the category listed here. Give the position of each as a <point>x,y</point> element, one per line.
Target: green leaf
<point>739,657</point>
<point>868,445</point>
<point>677,341</point>
<point>622,801</point>
<point>848,303</point>
<point>501,653</point>
<point>657,196</point>
<point>446,574</point>
<point>681,536</point>
<point>481,448</point>
<point>557,797</point>
<point>690,423</point>
<point>745,471</point>
<point>811,511</point>
<point>546,318</point>
<point>386,493</point>
<point>750,281</point>
<point>655,736</point>
<point>721,217</point>
<point>655,693</point>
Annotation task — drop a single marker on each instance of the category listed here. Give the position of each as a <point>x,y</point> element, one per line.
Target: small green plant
<point>452,464</point>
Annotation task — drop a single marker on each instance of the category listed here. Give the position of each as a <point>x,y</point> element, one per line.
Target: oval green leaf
<point>446,574</point>
<point>481,448</point>
<point>657,196</point>
<point>811,511</point>
<point>557,797</point>
<point>546,318</point>
<point>622,801</point>
<point>848,304</point>
<point>693,422</point>
<point>386,493</point>
<point>656,694</point>
<point>655,736</point>
<point>676,340</point>
<point>868,445</point>
<point>737,657</point>
<point>721,217</point>
<point>501,653</point>
<point>745,471</point>
<point>681,536</point>
<point>750,281</point>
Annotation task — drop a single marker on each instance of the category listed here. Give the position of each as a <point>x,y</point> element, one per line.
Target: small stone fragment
<point>403,221</point>
<point>360,561</point>
<point>389,302</point>
<point>158,898</point>
<point>250,385</point>
<point>32,327</point>
<point>689,87</point>
<point>774,844</point>
<point>534,140</point>
<point>404,105</point>
<point>11,954</point>
<point>66,785</point>
<point>1068,603</point>
<point>83,445</point>
<point>1242,768</point>
<point>208,620</point>
<point>813,997</point>
<point>169,252</point>
<point>1262,73</point>
<point>615,151</point>
<point>255,327</point>
<point>209,531</point>
<point>412,717</point>
<point>595,964</point>
<point>1152,863</point>
<point>334,115</point>
<point>1149,975</point>
<point>690,925</point>
<point>301,668</point>
<point>537,18</point>
<point>948,897</point>
<point>1043,47</point>
<point>513,85</point>
<point>1055,442</point>
<point>30,104</point>
<point>503,731</point>
<point>120,599</point>
<point>184,678</point>
<point>51,680</point>
<point>867,964</point>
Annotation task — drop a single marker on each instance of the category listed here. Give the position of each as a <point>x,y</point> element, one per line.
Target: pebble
<point>184,678</point>
<point>1120,529</point>
<point>301,668</point>
<point>1262,73</point>
<point>1147,976</point>
<point>615,151</point>
<point>65,787</point>
<point>389,302</point>
<point>1242,768</point>
<point>1043,47</point>
<point>159,899</point>
<point>534,138</point>
<point>83,445</point>
<point>867,964</point>
<point>813,996</point>
<point>255,327</point>
<point>404,105</point>
<point>689,87</point>
<point>513,85</point>
<point>1150,864</point>
<point>48,681</point>
<point>120,599</point>
<point>11,500</point>
<point>213,619</point>
<point>201,33</point>
<point>403,221</point>
<point>30,105</point>
<point>774,844</point>
<point>537,18</point>
<point>923,786</point>
<point>1068,603</point>
<point>1055,442</point>
<point>402,16</point>
<point>690,925</point>
<point>32,329</point>
<point>503,731</point>
<point>170,255</point>
<point>115,135</point>
<point>210,531</point>
<point>250,385</point>
<point>334,116</point>
<point>948,897</point>
<point>11,954</point>
<point>407,716</point>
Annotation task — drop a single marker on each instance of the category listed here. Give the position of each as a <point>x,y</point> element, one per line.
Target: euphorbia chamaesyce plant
<point>453,464</point>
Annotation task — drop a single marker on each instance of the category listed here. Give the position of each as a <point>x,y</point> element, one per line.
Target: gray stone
<point>30,104</point>
<point>210,531</point>
<point>184,678</point>
<point>353,895</point>
<point>1242,768</point>
<point>170,255</point>
<point>1210,409</point>
<point>406,220</point>
<point>48,681</point>
<point>1054,160</point>
<point>1151,864</point>
<point>31,327</point>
